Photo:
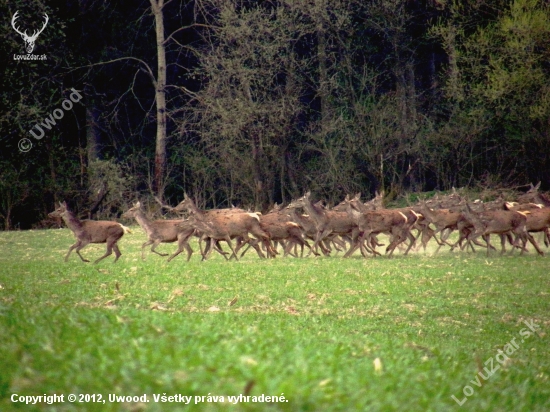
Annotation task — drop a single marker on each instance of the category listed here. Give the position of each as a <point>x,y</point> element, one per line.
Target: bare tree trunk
<point>257,157</point>
<point>92,135</point>
<point>322,60</point>
<point>160,96</point>
<point>449,42</point>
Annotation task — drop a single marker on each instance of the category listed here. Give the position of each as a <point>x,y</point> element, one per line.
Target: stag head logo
<point>29,40</point>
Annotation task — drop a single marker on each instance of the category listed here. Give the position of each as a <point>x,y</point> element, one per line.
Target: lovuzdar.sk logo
<point>29,40</point>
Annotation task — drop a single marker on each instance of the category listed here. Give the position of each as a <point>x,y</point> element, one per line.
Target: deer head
<point>62,209</point>
<point>29,40</point>
<point>132,211</point>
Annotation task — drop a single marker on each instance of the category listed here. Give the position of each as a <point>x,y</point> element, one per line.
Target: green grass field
<point>320,334</point>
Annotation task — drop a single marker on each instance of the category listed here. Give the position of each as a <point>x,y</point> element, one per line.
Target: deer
<point>538,220</point>
<point>327,222</point>
<point>162,231</point>
<point>501,222</point>
<point>444,220</point>
<point>280,228</point>
<point>466,229</point>
<point>309,230</point>
<point>534,196</point>
<point>90,231</point>
<point>29,40</point>
<point>373,222</point>
<point>227,224</point>
<point>187,201</point>
<point>182,207</point>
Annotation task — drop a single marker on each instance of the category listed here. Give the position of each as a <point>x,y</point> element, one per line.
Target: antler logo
<point>29,40</point>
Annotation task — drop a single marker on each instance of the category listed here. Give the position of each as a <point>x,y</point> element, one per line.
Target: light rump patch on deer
<point>280,228</point>
<point>502,223</point>
<point>162,231</point>
<point>90,231</point>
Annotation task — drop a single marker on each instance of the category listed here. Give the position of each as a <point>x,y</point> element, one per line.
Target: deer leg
<point>290,244</point>
<point>117,252</point>
<point>208,248</point>
<point>182,243</point>
<point>535,244</point>
<point>339,245</point>
<point>412,241</point>
<point>149,242</point>
<point>155,244</point>
<point>503,243</point>
<point>110,243</point>
<point>356,238</point>
<point>255,244</point>
<point>427,234</point>
<point>311,250</point>
<point>248,246</point>
<point>398,238</point>
<point>321,238</point>
<point>363,243</point>
<point>487,239</point>
<point>81,246</point>
<point>228,240</point>
<point>76,245</point>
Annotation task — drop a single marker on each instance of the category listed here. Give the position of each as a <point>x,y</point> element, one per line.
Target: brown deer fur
<point>162,231</point>
<point>90,231</point>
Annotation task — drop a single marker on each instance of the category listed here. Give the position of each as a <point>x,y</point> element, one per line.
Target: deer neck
<point>193,209</point>
<point>72,222</point>
<point>313,211</point>
<point>354,213</point>
<point>297,217</point>
<point>429,213</point>
<point>143,221</point>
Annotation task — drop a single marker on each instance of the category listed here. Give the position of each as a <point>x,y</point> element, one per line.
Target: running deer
<point>327,222</point>
<point>309,230</point>
<point>91,231</point>
<point>162,231</point>
<point>501,222</point>
<point>373,222</point>
<point>534,196</point>
<point>226,224</point>
<point>281,229</point>
<point>444,220</point>
<point>538,219</point>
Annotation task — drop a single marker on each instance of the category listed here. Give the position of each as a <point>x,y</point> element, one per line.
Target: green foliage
<point>268,99</point>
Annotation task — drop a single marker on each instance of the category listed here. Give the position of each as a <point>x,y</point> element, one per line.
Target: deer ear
<point>138,204</point>
<point>358,196</point>
<point>537,186</point>
<point>308,193</point>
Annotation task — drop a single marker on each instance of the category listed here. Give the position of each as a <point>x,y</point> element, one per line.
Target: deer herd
<point>348,227</point>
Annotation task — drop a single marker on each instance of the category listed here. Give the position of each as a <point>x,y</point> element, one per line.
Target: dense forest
<point>254,102</point>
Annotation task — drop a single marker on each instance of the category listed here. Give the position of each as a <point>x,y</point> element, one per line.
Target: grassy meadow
<point>320,334</point>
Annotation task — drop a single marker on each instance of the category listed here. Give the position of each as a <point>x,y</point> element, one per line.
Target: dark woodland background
<point>265,99</point>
